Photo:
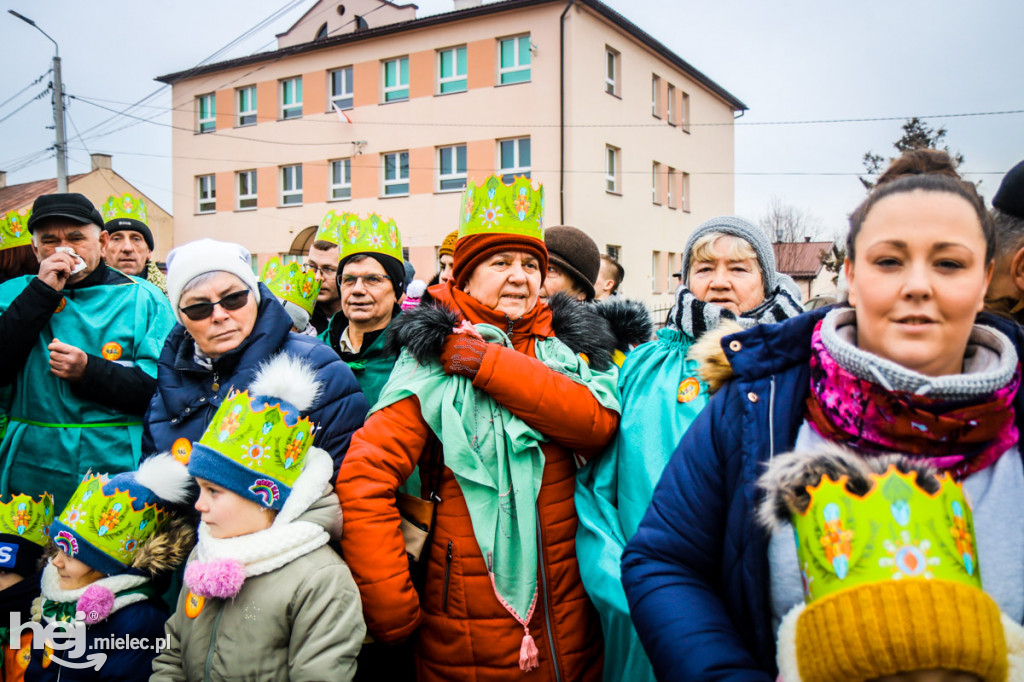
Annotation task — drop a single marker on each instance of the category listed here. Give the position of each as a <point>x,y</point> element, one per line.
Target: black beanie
<point>1010,197</point>
<point>130,225</point>
<point>394,267</point>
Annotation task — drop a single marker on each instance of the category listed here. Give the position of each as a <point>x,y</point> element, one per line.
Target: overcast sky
<point>788,60</point>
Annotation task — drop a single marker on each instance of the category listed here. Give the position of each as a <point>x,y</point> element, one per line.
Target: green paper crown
<point>110,523</point>
<point>125,206</point>
<point>292,282</point>
<point>14,229</point>
<point>28,518</point>
<point>497,208</point>
<point>330,227</point>
<point>897,531</point>
<point>259,438</point>
<point>371,234</point>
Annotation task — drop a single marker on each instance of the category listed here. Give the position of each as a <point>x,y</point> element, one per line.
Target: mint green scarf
<point>496,457</point>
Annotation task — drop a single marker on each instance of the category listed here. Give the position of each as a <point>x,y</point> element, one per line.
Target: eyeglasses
<point>369,281</point>
<point>326,271</point>
<point>201,311</point>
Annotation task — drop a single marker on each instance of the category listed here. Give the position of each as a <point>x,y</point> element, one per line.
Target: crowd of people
<point>336,470</point>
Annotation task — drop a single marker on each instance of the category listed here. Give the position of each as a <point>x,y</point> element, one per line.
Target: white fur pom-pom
<point>166,477</point>
<point>288,378</point>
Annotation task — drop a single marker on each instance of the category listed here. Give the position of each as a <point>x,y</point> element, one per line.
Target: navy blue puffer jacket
<point>188,394</point>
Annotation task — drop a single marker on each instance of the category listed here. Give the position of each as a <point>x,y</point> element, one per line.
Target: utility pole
<point>58,108</point>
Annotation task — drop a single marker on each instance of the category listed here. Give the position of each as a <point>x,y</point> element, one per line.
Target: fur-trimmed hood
<point>423,329</point>
<point>628,319</point>
<point>712,363</point>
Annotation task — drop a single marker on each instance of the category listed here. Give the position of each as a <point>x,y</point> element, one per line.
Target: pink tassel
<point>528,654</point>
<point>96,602</point>
<point>220,578</point>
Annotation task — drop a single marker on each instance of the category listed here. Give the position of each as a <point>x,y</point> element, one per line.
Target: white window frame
<point>386,91</point>
<point>671,187</point>
<point>517,67</point>
<point>655,95</point>
<point>612,164</point>
<point>344,100</point>
<point>340,191</point>
<point>293,110</point>
<point>243,114</point>
<point>656,183</point>
<point>397,186</point>
<point>455,179</point>
<point>685,182</point>
<point>611,70</point>
<point>246,184</point>
<point>206,193</point>
<point>517,167</point>
<point>655,271</point>
<point>684,111</point>
<point>291,185</point>
<point>209,123</point>
<point>670,96</point>
<point>456,77</point>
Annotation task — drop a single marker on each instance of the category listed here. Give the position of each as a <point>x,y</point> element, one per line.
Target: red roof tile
<point>14,197</point>
<point>800,259</point>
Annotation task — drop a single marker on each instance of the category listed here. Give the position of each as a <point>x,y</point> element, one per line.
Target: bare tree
<point>787,225</point>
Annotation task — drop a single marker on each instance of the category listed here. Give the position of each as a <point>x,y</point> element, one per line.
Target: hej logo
<point>58,636</point>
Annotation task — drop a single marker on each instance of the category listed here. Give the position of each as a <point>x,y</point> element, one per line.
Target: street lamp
<point>58,108</point>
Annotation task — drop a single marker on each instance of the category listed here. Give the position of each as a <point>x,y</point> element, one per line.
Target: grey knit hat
<point>736,227</point>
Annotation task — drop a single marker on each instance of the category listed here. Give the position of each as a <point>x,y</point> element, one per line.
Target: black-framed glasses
<point>201,311</point>
<point>325,271</point>
<point>369,281</point>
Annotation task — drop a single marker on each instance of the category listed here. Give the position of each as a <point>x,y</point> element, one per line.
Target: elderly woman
<point>491,403</point>
<point>909,367</point>
<point>230,325</point>
<point>729,283</point>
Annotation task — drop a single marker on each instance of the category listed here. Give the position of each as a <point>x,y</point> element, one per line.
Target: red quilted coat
<point>462,631</point>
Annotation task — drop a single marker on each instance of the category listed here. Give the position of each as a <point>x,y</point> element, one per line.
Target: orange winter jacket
<point>462,631</point>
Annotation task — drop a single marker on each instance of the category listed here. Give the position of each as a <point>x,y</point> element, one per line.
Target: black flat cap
<point>72,206</point>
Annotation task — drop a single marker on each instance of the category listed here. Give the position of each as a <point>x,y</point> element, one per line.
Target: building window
<point>341,179</point>
<point>611,169</point>
<point>685,182</point>
<point>611,71</point>
<point>341,88</point>
<point>396,174</point>
<point>669,284</point>
<point>206,191</point>
<point>451,163</point>
<point>671,187</point>
<point>514,158</point>
<point>655,96</point>
<point>671,97</point>
<point>613,251</point>
<point>246,105</point>
<point>656,183</point>
<point>291,98</point>
<point>451,70</point>
<point>246,189</point>
<point>655,279</point>
<point>396,79</point>
<point>291,185</point>
<point>206,106</point>
<point>684,110</point>
<point>514,60</point>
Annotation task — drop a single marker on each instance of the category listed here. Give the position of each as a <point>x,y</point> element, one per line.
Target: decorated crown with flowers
<point>257,442</point>
<point>496,207</point>
<point>14,228</point>
<point>292,282</point>
<point>28,518</point>
<point>109,519</point>
<point>372,234</point>
<point>330,227</point>
<point>125,206</point>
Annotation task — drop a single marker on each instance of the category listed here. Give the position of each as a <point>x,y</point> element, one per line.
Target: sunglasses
<point>201,311</point>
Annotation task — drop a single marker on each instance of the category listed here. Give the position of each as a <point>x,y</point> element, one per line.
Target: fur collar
<point>713,366</point>
<point>423,330</point>
<point>629,321</point>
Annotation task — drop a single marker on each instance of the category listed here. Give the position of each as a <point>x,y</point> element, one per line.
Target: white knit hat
<point>187,262</point>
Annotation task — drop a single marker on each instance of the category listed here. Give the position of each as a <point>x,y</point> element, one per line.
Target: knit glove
<point>463,354</point>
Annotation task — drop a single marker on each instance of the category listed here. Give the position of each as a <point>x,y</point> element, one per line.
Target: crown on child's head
<point>27,518</point>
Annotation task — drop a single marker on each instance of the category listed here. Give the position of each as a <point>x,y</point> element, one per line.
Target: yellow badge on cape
<point>111,351</point>
<point>689,389</point>
<point>47,653</point>
<point>182,450</point>
<point>194,604</point>
<point>60,306</point>
<point>24,656</point>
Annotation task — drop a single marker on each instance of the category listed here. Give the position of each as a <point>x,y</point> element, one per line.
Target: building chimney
<point>3,179</point>
<point>807,239</point>
<point>466,4</point>
<point>100,161</point>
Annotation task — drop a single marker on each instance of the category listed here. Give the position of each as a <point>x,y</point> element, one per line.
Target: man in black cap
<point>129,247</point>
<point>79,344</point>
<point>1006,291</point>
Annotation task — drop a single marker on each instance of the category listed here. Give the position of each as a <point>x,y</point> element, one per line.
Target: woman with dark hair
<point>909,366</point>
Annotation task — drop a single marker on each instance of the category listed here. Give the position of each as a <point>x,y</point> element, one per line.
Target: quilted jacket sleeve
<point>565,411</point>
<point>672,568</point>
<point>382,456</point>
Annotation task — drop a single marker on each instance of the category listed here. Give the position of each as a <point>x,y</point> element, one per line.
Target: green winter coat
<point>302,621</point>
<point>374,363</point>
<point>58,430</point>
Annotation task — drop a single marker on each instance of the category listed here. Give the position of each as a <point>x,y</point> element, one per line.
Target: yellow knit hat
<point>448,245</point>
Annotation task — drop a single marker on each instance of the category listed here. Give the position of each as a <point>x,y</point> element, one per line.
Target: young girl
<point>112,539</point>
<point>265,597</point>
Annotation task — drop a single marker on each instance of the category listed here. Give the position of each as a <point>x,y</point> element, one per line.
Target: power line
<point>37,97</point>
<point>35,82</point>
